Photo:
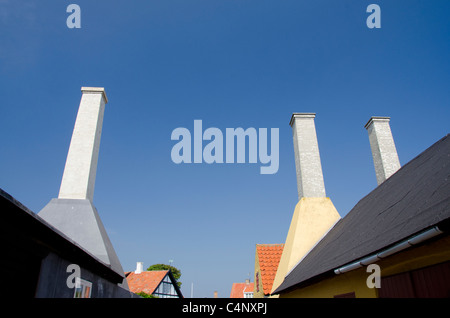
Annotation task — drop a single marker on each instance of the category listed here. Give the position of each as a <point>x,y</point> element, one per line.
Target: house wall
<point>167,289</point>
<point>53,278</point>
<point>353,281</point>
<point>258,290</point>
<point>431,253</point>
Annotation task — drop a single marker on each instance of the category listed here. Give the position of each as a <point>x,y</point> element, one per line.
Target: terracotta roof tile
<point>238,289</point>
<point>145,282</point>
<point>269,257</point>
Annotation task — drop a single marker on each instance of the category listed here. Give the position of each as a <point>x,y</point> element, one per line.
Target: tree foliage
<point>144,295</point>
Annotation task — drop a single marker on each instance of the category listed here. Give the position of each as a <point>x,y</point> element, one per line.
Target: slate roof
<point>269,257</point>
<point>415,198</point>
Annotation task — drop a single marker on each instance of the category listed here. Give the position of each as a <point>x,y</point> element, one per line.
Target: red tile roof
<point>238,289</point>
<point>145,282</point>
<point>269,257</point>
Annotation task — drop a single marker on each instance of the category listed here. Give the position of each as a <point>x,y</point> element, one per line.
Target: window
<point>83,288</point>
<point>166,289</point>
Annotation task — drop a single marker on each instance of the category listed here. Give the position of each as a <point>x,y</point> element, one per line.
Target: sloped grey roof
<point>23,226</point>
<point>413,199</point>
<point>79,220</point>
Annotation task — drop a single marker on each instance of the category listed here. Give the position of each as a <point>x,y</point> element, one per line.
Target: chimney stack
<point>384,153</point>
<point>73,212</point>
<point>314,214</point>
<point>310,182</point>
<point>139,268</point>
<point>81,165</point>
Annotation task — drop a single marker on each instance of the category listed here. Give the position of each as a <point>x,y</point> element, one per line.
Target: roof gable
<point>238,289</point>
<point>415,198</point>
<point>145,282</point>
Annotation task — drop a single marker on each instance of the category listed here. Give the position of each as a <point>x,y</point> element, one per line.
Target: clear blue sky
<point>230,63</point>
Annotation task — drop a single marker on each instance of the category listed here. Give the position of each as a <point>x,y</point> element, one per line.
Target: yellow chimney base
<point>312,219</point>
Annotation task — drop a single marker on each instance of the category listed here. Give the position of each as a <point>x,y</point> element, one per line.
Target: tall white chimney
<point>314,214</point>
<point>81,165</point>
<point>307,158</point>
<point>73,212</point>
<point>139,268</point>
<point>384,153</point>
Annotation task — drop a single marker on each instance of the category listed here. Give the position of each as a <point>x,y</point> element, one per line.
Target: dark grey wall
<point>36,256</point>
<point>53,281</point>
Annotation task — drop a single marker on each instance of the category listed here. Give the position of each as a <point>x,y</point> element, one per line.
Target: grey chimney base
<point>80,221</point>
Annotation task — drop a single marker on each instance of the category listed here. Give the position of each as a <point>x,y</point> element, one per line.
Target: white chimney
<point>307,158</point>
<point>81,165</point>
<point>384,153</point>
<point>139,268</point>
<point>73,212</point>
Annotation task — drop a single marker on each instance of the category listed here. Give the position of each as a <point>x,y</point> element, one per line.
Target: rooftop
<point>145,282</point>
<point>269,257</point>
<point>414,199</point>
<point>238,289</point>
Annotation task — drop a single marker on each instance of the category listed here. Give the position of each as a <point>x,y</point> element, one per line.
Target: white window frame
<point>248,294</point>
<point>83,288</point>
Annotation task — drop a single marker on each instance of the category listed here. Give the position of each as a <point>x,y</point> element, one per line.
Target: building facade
<point>64,251</point>
<point>242,290</point>
<point>160,284</point>
<point>41,262</point>
<point>395,242</point>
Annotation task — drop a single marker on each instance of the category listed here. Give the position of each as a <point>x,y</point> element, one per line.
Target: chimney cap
<point>376,118</point>
<point>139,267</point>
<point>301,115</point>
<point>95,90</point>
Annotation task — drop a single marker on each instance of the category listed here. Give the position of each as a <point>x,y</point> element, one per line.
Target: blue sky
<point>230,63</point>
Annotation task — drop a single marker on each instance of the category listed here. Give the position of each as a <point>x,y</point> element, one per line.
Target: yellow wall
<point>355,281</point>
<point>257,281</point>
